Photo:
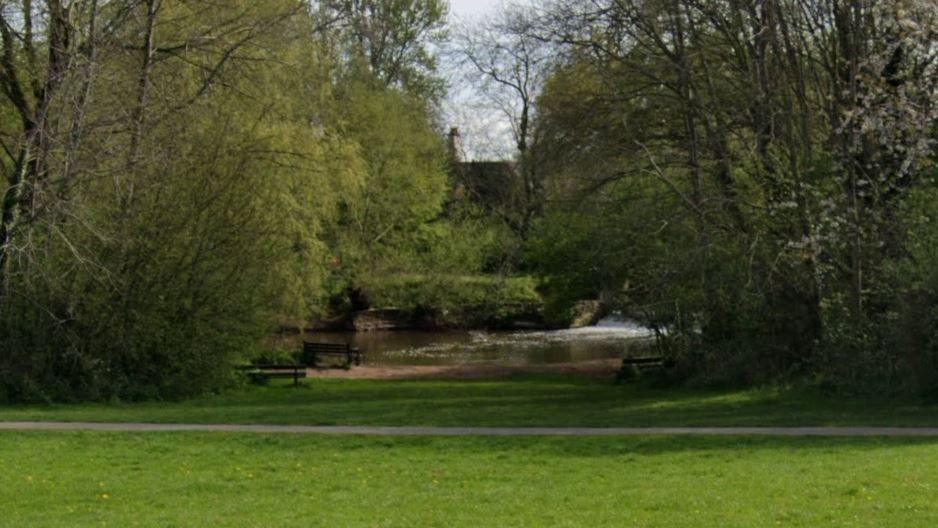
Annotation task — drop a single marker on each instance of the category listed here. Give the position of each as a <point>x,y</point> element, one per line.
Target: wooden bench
<point>313,352</point>
<point>267,371</point>
<point>634,366</point>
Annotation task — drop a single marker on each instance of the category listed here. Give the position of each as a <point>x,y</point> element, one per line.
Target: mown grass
<point>68,479</point>
<point>524,401</point>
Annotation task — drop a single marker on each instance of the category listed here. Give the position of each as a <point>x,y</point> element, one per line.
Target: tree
<point>746,114</point>
<point>506,62</point>
<point>403,183</point>
<point>32,83</point>
<point>391,38</point>
<point>159,227</point>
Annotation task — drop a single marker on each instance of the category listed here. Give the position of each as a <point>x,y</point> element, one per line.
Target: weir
<point>608,339</point>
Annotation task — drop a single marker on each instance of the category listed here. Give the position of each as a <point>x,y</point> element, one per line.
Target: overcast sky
<point>472,7</point>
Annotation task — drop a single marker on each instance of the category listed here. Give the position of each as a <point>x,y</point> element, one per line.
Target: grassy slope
<point>59,479</point>
<point>536,401</point>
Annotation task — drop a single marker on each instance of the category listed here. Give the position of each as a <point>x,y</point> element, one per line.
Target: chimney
<point>455,145</point>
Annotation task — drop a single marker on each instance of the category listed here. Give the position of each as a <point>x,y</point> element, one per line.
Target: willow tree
<point>166,193</point>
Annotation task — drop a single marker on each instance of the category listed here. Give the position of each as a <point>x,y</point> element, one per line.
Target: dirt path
<point>601,368</point>
<point>476,431</point>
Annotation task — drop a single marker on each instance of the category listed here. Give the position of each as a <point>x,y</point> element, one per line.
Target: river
<point>610,338</point>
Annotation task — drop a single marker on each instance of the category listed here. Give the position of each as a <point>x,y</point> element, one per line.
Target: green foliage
<point>896,348</point>
<point>171,256</point>
<point>252,165</point>
<point>404,182</point>
<point>397,224</point>
<point>449,292</point>
<point>461,241</point>
<point>457,300</point>
<point>390,41</point>
<point>767,234</point>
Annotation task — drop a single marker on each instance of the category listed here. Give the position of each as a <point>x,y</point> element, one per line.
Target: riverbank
<point>602,369</point>
<point>436,302</point>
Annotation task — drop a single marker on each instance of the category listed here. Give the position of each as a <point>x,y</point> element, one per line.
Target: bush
<point>457,300</point>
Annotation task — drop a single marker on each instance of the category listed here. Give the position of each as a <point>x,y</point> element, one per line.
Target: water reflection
<point>610,338</point>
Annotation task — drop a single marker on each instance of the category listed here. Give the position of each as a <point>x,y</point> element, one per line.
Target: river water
<point>610,338</point>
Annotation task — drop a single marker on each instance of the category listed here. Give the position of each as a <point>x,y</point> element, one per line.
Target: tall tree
<point>506,61</point>
<point>391,38</point>
<point>168,194</point>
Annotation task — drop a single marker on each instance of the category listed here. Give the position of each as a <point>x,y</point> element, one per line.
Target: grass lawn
<point>523,401</point>
<point>66,479</point>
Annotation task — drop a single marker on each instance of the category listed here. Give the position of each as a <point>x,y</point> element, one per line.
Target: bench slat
<point>270,366</point>
<point>642,360</point>
<point>275,371</point>
<point>312,350</point>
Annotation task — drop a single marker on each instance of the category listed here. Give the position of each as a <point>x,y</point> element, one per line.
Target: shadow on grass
<point>519,401</point>
<point>614,449</point>
<point>643,446</point>
<point>558,401</point>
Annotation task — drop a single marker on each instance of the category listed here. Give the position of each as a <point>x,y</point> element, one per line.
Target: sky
<point>464,8</point>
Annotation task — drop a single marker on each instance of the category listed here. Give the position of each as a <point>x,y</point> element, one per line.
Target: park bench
<point>314,352</point>
<point>268,371</point>
<point>634,366</point>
